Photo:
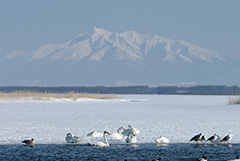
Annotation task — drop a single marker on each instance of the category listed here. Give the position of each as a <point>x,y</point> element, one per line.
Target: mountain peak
<point>100,44</point>
<point>133,36</point>
<point>98,31</point>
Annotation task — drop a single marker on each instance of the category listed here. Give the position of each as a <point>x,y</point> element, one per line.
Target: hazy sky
<point>212,24</point>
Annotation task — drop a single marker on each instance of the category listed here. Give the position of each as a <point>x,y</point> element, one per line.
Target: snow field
<point>176,117</point>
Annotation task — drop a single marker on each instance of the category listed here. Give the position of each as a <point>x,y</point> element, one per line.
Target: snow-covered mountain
<point>101,54</point>
<point>99,44</point>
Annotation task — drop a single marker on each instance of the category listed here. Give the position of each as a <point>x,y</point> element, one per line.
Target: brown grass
<point>235,100</point>
<point>31,95</point>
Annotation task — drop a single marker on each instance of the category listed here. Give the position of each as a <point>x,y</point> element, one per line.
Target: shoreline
<point>47,96</point>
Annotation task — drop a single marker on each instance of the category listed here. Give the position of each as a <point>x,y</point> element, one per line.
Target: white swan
<point>130,130</point>
<point>102,144</point>
<point>126,132</point>
<point>162,140</point>
<point>94,134</point>
<point>72,139</point>
<point>116,135</point>
<point>136,131</point>
<point>131,138</point>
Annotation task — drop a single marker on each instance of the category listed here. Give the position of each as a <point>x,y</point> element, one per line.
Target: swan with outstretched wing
<point>116,135</point>
<point>95,134</point>
<point>131,129</point>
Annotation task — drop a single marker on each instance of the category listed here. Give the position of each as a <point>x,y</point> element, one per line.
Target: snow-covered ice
<point>176,117</point>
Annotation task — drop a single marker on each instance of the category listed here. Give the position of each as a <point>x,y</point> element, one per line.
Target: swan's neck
<point>119,129</point>
<point>134,129</point>
<point>105,139</point>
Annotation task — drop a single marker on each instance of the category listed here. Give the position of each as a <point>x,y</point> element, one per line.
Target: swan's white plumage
<point>94,134</point>
<point>127,132</point>
<point>131,138</point>
<point>131,129</point>
<point>101,144</point>
<point>116,135</point>
<point>136,131</point>
<point>162,140</point>
<point>72,139</point>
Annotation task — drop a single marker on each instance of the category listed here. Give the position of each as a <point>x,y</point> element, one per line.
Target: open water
<point>144,152</point>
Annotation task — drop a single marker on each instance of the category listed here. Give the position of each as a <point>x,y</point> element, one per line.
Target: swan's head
<point>69,135</point>
<point>121,128</point>
<point>93,132</point>
<point>106,132</point>
<point>130,127</point>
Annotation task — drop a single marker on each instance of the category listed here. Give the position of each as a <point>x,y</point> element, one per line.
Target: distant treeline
<point>195,90</point>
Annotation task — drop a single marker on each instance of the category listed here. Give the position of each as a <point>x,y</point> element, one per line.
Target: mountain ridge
<point>128,45</point>
<point>101,57</point>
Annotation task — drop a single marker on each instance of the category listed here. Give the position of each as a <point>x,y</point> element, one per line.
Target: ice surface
<point>177,118</point>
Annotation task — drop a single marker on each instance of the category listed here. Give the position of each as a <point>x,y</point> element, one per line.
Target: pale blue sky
<point>212,24</point>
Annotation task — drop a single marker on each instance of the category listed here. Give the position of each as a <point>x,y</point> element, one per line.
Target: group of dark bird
<point>215,139</point>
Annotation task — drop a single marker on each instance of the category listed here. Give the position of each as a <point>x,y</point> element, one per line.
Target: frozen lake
<point>176,117</point>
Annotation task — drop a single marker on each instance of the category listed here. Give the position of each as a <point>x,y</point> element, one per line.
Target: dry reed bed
<point>30,95</point>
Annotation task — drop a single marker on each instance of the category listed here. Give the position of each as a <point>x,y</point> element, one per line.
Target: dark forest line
<point>194,90</point>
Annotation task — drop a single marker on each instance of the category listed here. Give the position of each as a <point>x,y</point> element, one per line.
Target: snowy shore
<point>176,117</point>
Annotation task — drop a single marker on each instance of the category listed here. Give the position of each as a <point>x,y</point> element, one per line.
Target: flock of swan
<point>130,137</point>
<point>122,133</point>
<point>128,134</point>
